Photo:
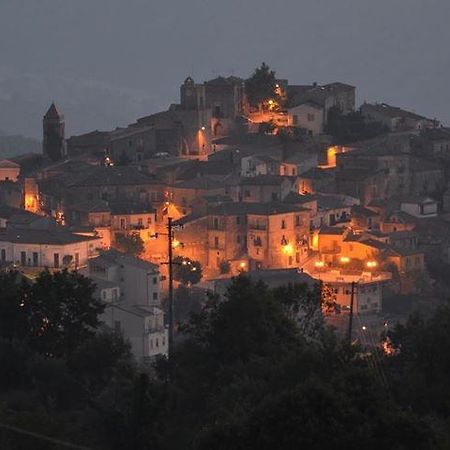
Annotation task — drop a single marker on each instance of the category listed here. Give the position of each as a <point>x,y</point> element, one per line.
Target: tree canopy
<point>260,87</point>
<point>130,243</point>
<point>186,271</point>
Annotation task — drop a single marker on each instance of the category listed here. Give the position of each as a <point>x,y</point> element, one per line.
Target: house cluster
<point>243,197</point>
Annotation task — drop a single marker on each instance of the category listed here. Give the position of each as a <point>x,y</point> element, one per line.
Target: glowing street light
<point>203,128</point>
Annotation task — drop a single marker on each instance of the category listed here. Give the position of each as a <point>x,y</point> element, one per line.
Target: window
<point>311,117</point>
<point>77,259</point>
<point>117,326</point>
<point>238,220</point>
<point>104,295</point>
<point>297,257</point>
<point>149,221</point>
<point>35,259</point>
<point>246,193</point>
<point>297,221</point>
<point>290,260</point>
<point>294,119</point>
<point>3,254</point>
<point>140,223</point>
<point>274,196</point>
<point>283,224</point>
<point>216,242</point>
<point>23,258</point>
<point>155,280</point>
<point>56,260</point>
<point>216,223</point>
<point>155,296</point>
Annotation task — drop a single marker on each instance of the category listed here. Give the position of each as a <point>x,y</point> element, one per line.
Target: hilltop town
<point>289,183</point>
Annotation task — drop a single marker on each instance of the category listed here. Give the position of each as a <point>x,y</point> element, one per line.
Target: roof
<point>8,164</point>
<point>111,258</point>
<point>9,212</point>
<point>89,206</point>
<point>316,173</point>
<point>53,113</point>
<point>416,199</point>
<point>51,236</point>
<point>263,209</point>
<point>402,234</point>
<point>262,180</point>
<point>337,231</point>
<point>358,210</point>
<point>198,183</point>
<point>121,208</point>
<point>393,111</point>
<point>113,176</point>
<point>374,243</point>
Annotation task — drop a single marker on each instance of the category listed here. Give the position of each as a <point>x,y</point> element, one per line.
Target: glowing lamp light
<point>319,264</point>
<point>344,259</point>
<point>176,243</point>
<point>288,249</point>
<point>371,264</point>
<point>364,328</point>
<point>184,263</point>
<point>203,128</point>
<point>242,265</point>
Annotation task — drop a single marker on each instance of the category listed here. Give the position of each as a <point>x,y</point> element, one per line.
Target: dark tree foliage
<point>352,127</point>
<point>247,378</point>
<point>130,243</point>
<point>260,87</point>
<point>256,370</point>
<point>187,271</point>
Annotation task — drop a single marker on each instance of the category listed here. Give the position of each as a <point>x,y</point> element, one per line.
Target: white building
<point>131,288</point>
<point>368,292</point>
<point>142,325</point>
<point>53,247</point>
<point>9,170</point>
<point>308,116</point>
<point>139,280</point>
<point>421,207</point>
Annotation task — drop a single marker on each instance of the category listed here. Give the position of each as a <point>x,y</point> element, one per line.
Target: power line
<point>42,437</point>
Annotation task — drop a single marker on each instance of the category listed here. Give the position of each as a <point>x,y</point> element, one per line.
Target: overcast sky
<point>393,50</point>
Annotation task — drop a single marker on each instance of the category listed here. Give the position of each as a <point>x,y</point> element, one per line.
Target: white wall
<point>304,113</point>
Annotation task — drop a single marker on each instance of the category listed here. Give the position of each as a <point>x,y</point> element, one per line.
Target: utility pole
<point>350,319</point>
<point>170,263</point>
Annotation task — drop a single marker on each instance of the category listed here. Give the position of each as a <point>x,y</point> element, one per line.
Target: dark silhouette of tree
<point>260,87</point>
<point>187,271</point>
<point>130,243</point>
<point>352,127</point>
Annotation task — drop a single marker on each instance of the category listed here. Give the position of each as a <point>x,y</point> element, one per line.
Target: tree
<point>186,271</point>
<point>352,127</point>
<point>131,243</point>
<point>14,306</point>
<point>251,379</point>
<point>260,87</point>
<point>64,311</point>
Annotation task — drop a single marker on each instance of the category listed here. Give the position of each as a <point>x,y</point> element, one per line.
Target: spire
<point>52,112</point>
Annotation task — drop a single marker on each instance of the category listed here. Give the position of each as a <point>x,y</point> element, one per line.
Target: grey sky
<point>140,51</point>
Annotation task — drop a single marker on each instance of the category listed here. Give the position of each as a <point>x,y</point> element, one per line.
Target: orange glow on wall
<point>331,156</point>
